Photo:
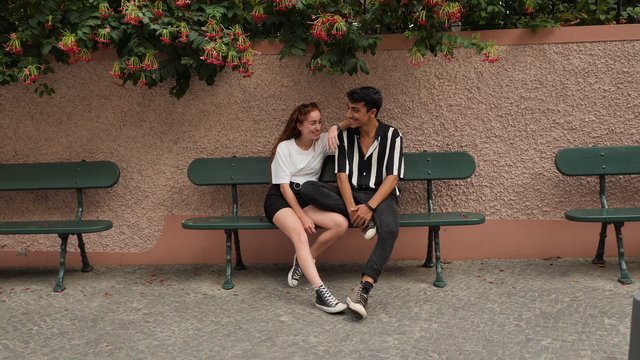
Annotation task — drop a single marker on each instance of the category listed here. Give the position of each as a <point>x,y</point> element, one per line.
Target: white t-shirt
<point>294,164</point>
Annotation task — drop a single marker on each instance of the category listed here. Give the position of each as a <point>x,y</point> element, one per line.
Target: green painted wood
<point>260,222</point>
<point>441,219</point>
<point>586,161</point>
<point>55,176</point>
<point>603,215</point>
<point>438,165</point>
<point>228,223</point>
<point>328,173</point>
<point>54,227</point>
<point>422,166</point>
<point>230,170</point>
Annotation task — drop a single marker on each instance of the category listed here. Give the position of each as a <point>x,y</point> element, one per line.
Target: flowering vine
<point>160,40</point>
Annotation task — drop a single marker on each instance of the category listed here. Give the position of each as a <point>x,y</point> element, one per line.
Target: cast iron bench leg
<point>236,241</point>
<point>428,261</point>
<point>228,282</point>
<point>599,258</point>
<point>439,281</point>
<point>624,275</point>
<point>86,266</point>
<point>63,254</point>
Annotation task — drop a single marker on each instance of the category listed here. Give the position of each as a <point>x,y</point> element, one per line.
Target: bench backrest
<point>58,176</point>
<point>230,171</point>
<point>256,170</point>
<point>423,166</point>
<point>591,161</point>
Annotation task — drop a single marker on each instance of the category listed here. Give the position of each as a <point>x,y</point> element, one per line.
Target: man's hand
<point>332,138</point>
<point>360,215</point>
<point>307,224</point>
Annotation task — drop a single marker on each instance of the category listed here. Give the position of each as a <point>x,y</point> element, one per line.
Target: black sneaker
<point>357,301</point>
<point>326,302</point>
<point>369,231</point>
<point>294,274</point>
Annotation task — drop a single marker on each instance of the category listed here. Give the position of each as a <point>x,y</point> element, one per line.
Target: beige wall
<point>512,116</point>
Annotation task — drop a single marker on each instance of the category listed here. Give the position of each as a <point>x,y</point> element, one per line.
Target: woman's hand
<point>307,223</point>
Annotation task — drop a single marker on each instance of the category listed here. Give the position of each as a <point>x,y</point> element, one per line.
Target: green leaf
<point>363,67</point>
<point>45,49</point>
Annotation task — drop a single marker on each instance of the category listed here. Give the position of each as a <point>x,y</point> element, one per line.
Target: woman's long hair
<point>291,128</point>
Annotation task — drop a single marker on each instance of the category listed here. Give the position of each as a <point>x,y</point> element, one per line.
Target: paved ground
<point>537,309</point>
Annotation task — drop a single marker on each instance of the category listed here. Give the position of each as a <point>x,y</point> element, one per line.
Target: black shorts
<point>275,201</point>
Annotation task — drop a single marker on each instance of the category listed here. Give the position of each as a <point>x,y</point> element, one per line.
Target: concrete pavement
<point>491,309</point>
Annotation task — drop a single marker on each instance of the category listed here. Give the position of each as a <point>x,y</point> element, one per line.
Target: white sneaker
<point>370,231</point>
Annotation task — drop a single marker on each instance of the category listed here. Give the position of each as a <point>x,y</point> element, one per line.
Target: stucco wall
<point>512,116</point>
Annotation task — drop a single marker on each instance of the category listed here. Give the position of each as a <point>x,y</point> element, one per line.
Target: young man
<point>369,162</point>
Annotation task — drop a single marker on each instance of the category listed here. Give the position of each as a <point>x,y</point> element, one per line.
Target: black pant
<point>386,216</point>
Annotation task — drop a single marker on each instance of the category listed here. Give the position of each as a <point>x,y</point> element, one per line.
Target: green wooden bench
<point>603,161</point>
<point>236,171</point>
<point>59,176</point>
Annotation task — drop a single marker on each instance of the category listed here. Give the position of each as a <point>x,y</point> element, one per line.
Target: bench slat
<point>438,166</point>
<point>585,161</point>
<point>57,176</point>
<point>228,223</point>
<point>422,166</point>
<point>231,170</point>
<point>54,227</point>
<point>261,222</point>
<point>603,215</point>
<point>441,219</point>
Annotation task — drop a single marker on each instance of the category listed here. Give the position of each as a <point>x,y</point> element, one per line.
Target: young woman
<point>297,157</point>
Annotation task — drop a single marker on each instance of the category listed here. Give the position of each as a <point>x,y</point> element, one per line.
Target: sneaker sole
<point>290,279</point>
<point>332,310</point>
<point>356,309</point>
<point>370,234</point>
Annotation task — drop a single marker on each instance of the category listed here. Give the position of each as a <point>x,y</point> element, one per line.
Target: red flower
<point>30,76</point>
<point>13,45</point>
<point>284,5</point>
<point>258,14</point>
<point>316,65</point>
<point>455,16</point>
<point>104,11</point>
<point>258,18</point>
<point>132,19</point>
<point>434,3</point>
<point>115,71</point>
<point>183,3</point>
<point>133,64</point>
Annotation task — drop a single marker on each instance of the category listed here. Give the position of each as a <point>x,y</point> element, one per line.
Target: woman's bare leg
<point>287,221</point>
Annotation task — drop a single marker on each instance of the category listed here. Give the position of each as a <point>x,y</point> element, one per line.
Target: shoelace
<point>327,296</point>
<point>361,297</point>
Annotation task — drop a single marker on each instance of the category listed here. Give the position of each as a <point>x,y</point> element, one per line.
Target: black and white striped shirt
<point>384,157</point>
